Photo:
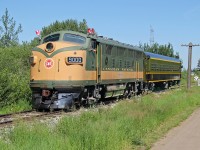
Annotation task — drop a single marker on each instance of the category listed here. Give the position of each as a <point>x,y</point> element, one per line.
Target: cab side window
<point>93,44</point>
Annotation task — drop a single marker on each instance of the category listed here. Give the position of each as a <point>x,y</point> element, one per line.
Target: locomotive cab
<point>58,70</point>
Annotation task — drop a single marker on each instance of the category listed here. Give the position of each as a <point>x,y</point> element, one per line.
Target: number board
<point>74,60</point>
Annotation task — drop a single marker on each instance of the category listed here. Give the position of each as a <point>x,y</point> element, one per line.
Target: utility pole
<point>190,45</point>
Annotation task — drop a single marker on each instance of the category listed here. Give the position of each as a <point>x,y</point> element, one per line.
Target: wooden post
<point>190,45</point>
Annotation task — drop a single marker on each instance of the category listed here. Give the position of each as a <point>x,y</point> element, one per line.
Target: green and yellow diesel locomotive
<point>71,69</point>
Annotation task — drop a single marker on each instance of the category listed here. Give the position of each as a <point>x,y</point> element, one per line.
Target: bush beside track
<point>130,124</point>
<point>14,78</point>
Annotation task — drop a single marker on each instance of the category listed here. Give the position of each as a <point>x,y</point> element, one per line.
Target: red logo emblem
<point>48,63</point>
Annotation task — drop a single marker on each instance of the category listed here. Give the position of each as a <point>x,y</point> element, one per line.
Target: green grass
<point>16,107</point>
<point>132,124</point>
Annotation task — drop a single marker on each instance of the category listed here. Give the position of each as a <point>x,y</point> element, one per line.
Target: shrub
<point>14,74</point>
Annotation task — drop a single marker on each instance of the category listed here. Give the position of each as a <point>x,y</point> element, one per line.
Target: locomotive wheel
<point>73,108</point>
<point>92,102</point>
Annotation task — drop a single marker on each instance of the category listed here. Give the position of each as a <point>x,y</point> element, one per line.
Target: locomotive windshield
<point>74,38</point>
<point>51,38</point>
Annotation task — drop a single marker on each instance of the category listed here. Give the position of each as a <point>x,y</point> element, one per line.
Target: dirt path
<point>184,137</point>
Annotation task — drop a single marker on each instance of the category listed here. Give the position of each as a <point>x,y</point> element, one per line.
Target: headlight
<point>50,47</point>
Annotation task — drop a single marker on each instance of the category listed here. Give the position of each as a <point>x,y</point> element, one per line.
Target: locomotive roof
<point>117,43</point>
<point>65,31</point>
<point>99,39</point>
<point>158,56</point>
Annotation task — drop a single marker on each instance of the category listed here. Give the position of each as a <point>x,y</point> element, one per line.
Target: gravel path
<point>184,137</point>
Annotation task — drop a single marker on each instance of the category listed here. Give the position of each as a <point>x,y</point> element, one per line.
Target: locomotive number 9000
<point>74,60</point>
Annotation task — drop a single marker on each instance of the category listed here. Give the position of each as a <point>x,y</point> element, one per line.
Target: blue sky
<point>128,21</point>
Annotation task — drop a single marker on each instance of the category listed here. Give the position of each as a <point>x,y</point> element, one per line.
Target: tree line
<point>166,50</point>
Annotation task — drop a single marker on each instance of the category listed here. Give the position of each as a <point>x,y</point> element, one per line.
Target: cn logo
<point>48,63</point>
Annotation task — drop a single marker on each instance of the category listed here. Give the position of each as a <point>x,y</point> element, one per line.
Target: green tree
<point>83,26</point>
<point>35,42</point>
<point>69,24</point>
<point>14,74</point>
<point>177,55</point>
<point>8,31</point>
<point>166,50</point>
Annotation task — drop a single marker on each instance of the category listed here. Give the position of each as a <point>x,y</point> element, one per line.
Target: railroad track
<point>10,114</point>
<point>30,115</point>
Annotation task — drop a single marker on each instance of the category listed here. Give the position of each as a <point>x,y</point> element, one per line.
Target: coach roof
<point>158,56</point>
